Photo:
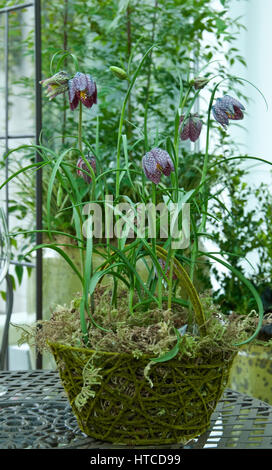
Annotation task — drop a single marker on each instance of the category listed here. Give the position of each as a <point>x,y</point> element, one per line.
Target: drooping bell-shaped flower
<point>226,108</point>
<point>82,88</point>
<point>192,127</point>
<point>57,84</point>
<point>156,162</point>
<point>167,271</point>
<point>162,262</point>
<point>81,165</point>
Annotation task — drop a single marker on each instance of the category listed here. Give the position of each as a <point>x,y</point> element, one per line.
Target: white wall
<point>254,137</point>
<point>255,46</point>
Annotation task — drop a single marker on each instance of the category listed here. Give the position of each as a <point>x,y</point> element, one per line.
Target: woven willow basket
<point>125,409</point>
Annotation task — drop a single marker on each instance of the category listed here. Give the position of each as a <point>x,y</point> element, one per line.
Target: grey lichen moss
<point>91,376</point>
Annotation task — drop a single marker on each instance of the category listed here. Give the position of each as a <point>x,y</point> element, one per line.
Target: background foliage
<point>188,34</point>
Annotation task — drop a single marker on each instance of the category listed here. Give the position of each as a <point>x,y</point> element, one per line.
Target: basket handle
<point>186,282</point>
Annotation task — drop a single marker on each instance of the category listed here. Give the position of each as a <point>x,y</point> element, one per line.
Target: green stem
<point>154,243</point>
<point>119,141</point>
<point>160,290</point>
<point>171,270</point>
<point>81,222</point>
<point>203,192</point>
<point>176,146</point>
<point>121,122</point>
<point>154,199</point>
<point>131,294</point>
<point>83,323</point>
<point>185,98</point>
<point>80,149</point>
<point>118,172</point>
<point>80,127</point>
<point>131,289</point>
<point>129,43</point>
<point>114,293</point>
<point>204,174</point>
<point>193,258</point>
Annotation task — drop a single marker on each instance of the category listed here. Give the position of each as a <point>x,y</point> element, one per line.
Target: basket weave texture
<point>127,410</point>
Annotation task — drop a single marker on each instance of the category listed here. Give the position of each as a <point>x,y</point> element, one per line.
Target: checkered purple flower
<point>192,128</point>
<point>81,165</point>
<point>167,272</point>
<point>82,88</point>
<point>156,162</point>
<point>227,108</point>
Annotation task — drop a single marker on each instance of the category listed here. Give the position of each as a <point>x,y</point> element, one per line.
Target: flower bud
<point>120,73</point>
<point>56,85</point>
<point>199,83</point>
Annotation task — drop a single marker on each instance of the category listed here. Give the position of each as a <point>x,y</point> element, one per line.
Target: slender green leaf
<point>170,354</point>
<point>61,252</point>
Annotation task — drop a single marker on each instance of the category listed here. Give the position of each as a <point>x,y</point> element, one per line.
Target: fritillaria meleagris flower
<point>82,88</point>
<point>56,85</point>
<point>81,165</point>
<point>156,162</point>
<point>227,108</point>
<point>192,128</point>
<point>167,272</point>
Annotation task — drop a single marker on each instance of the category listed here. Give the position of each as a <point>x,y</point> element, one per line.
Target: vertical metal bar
<point>38,108</point>
<point>9,288</point>
<point>6,109</point>
<point>4,358</point>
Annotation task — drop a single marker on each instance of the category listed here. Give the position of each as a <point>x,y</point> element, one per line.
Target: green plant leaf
<point>19,273</point>
<point>170,354</point>
<point>61,252</point>
<point>97,275</point>
<point>221,25</point>
<point>122,6</point>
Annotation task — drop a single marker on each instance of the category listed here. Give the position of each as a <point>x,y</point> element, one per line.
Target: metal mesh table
<point>35,413</point>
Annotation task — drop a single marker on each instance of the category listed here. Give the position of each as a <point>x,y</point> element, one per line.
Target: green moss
<point>129,401</point>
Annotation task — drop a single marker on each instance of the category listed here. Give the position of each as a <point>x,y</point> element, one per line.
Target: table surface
<point>35,413</point>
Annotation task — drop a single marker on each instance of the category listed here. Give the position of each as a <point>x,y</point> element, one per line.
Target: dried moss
<point>149,332</point>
